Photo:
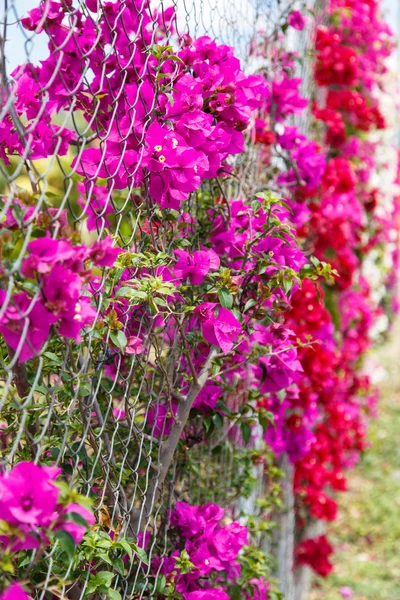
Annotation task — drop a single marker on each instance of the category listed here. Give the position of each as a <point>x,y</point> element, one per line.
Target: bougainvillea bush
<point>189,259</point>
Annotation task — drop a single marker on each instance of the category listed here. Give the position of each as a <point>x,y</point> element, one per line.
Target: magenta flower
<point>205,311</point>
<point>160,419</point>
<point>44,254</point>
<point>10,221</point>
<point>297,20</point>
<point>92,5</point>
<point>221,330</point>
<point>134,345</point>
<point>71,324</point>
<point>14,592</point>
<point>197,265</point>
<point>103,254</point>
<point>61,289</point>
<point>208,398</point>
<point>228,541</point>
<point>28,496</point>
<point>260,587</point>
<point>75,530</point>
<point>53,12</point>
<point>212,515</point>
<point>186,517</point>
<point>98,205</point>
<point>209,594</point>
<point>287,98</point>
<point>118,412</point>
<point>20,310</point>
<point>201,558</point>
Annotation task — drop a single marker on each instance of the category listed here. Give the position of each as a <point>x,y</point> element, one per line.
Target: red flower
<point>315,553</point>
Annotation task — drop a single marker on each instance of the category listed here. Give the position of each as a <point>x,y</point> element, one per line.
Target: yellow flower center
<point>158,148</point>
<point>161,158</point>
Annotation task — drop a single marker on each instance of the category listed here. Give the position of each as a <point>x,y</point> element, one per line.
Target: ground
<point>367,532</point>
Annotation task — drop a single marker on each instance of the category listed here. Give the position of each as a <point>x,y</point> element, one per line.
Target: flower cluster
<point>209,550</point>
<point>343,229</point>
<point>61,271</point>
<point>33,511</point>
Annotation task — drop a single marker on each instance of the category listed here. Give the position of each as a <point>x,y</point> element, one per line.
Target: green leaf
<point>287,285</point>
<point>281,395</point>
<point>90,588</point>
<point>225,298</point>
<point>124,291</point>
<point>119,339</point>
<point>314,260</point>
<point>105,558</point>
<point>119,566</point>
<point>237,314</point>
<point>103,578</point>
<point>218,420</point>
<point>66,542</point>
<point>141,554</point>
<point>76,518</point>
<point>124,545</point>
<point>160,584</point>
<point>251,302</point>
<point>53,357</point>
<point>84,389</point>
<point>245,430</point>
<point>113,594</point>
<point>235,592</point>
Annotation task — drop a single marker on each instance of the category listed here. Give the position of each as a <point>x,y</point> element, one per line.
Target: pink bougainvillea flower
<point>118,412</point>
<point>103,254</point>
<point>28,496</point>
<point>77,531</point>
<point>212,515</point>
<point>297,20</point>
<point>228,541</point>
<point>197,265</point>
<point>209,594</point>
<point>20,310</point>
<point>205,311</point>
<point>72,323</point>
<point>208,398</point>
<point>260,589</point>
<point>19,210</point>
<point>44,253</point>
<point>14,592</point>
<point>97,202</point>
<point>134,345</point>
<point>346,592</point>
<point>161,419</point>
<point>61,290</point>
<point>222,329</point>
<point>186,517</point>
<point>92,5</point>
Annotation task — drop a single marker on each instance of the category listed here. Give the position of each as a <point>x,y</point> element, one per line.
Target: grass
<point>367,532</point>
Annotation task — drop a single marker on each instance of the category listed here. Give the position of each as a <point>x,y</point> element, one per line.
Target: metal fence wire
<point>95,412</point>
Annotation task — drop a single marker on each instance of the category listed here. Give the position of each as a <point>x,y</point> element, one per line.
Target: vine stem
<point>168,446</point>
